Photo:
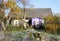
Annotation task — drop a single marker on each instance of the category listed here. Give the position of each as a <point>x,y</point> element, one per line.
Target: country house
<point>30,13</point>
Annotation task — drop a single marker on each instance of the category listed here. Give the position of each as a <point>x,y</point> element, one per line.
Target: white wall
<point>16,22</point>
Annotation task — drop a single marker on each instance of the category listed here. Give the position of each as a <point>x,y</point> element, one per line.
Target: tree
<point>1,10</point>
<point>16,12</point>
<point>10,4</point>
<point>24,3</point>
<point>49,18</point>
<point>14,9</point>
<point>2,14</point>
<point>53,23</point>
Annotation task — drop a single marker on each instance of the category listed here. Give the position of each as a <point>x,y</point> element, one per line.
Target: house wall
<point>16,22</point>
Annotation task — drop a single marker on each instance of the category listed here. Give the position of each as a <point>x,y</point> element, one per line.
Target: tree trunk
<point>3,25</point>
<point>24,17</point>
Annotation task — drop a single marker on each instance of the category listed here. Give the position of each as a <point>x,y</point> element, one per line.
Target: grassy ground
<point>23,32</point>
<point>22,29</point>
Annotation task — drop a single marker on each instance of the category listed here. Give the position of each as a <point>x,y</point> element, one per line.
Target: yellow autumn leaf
<point>10,4</point>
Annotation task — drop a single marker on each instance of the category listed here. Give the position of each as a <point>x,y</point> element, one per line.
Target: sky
<point>53,4</point>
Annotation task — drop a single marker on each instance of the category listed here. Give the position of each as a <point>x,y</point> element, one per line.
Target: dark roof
<point>38,12</point>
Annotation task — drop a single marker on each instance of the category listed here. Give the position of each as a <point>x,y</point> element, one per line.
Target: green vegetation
<point>52,24</point>
<point>14,28</point>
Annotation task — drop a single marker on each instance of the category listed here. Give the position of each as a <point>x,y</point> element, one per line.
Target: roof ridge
<point>40,8</point>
